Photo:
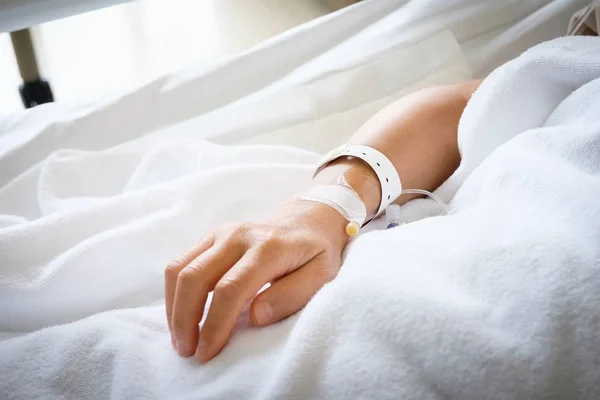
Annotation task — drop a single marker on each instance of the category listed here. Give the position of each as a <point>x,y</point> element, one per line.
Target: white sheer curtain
<point>114,48</point>
<point>120,47</point>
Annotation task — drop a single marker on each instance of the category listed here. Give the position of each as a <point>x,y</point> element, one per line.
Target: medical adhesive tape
<point>344,200</point>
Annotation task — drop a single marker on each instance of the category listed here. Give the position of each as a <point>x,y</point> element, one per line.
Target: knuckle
<point>228,288</point>
<point>191,281</point>
<point>236,235</point>
<point>187,275</point>
<point>241,229</point>
<point>231,242</point>
<point>174,267</point>
<point>271,242</point>
<point>196,267</point>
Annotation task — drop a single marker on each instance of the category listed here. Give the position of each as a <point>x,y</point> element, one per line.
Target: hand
<point>297,250</point>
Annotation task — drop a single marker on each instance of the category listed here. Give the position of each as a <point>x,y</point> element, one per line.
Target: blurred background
<point>121,47</point>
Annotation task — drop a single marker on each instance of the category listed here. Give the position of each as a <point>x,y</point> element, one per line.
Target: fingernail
<point>263,313</point>
<point>201,350</point>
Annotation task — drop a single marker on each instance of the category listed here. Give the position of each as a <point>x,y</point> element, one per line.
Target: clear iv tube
<point>433,196</point>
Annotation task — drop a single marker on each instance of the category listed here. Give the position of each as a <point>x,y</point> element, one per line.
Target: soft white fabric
<point>92,209</point>
<point>93,194</point>
<point>84,210</point>
<point>498,300</point>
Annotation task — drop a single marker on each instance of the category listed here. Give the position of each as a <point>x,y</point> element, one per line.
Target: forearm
<point>418,133</point>
<point>299,248</point>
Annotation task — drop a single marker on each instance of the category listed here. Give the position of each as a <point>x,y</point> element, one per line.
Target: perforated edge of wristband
<point>391,186</point>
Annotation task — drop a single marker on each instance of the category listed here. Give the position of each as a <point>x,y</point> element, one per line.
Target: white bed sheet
<point>489,33</point>
<point>83,173</point>
<point>99,178</point>
<point>119,204</point>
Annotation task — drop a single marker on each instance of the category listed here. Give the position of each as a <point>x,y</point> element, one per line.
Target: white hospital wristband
<point>391,187</point>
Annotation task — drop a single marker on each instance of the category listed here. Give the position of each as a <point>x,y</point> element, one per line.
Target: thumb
<point>292,292</point>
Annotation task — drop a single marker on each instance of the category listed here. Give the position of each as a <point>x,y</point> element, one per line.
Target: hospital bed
<point>17,17</point>
<point>132,179</point>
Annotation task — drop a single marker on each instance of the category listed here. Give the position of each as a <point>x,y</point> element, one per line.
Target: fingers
<point>292,292</point>
<point>231,293</point>
<point>194,283</point>
<point>172,272</point>
<point>237,265</point>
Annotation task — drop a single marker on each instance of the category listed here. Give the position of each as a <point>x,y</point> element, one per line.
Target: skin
<point>299,248</point>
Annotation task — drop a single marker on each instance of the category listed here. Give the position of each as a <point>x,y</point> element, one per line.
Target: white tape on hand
<point>344,200</point>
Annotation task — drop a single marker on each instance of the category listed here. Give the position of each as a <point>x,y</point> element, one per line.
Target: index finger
<point>172,272</point>
<point>232,292</point>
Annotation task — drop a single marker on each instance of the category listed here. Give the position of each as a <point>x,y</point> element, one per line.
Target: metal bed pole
<point>34,90</point>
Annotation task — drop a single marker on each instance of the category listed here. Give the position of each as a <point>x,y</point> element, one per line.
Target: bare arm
<point>298,249</point>
<point>418,133</point>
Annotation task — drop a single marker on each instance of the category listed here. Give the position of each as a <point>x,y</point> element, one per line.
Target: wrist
<point>359,175</point>
<point>322,218</point>
<point>325,219</point>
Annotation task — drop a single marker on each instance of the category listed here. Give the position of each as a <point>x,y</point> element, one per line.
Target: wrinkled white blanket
<point>95,199</point>
<point>499,300</point>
